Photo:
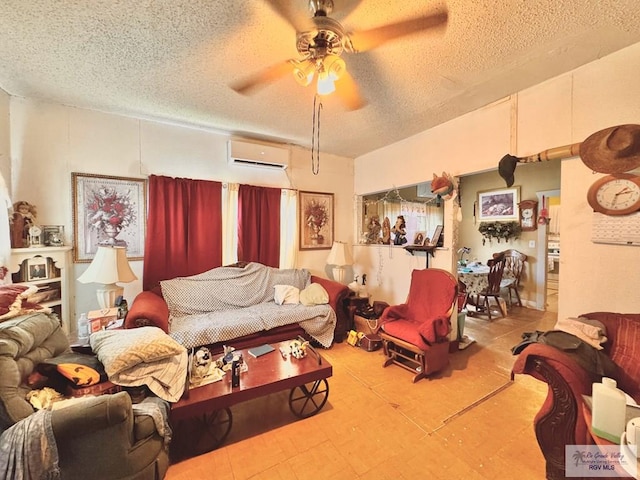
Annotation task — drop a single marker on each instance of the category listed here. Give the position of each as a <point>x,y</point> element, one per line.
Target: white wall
<point>5,163</point>
<point>562,111</point>
<point>50,141</point>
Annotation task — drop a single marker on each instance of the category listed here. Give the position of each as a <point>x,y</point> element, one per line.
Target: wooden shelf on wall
<point>428,249</point>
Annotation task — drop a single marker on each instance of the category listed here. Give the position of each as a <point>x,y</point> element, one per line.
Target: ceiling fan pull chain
<point>315,137</point>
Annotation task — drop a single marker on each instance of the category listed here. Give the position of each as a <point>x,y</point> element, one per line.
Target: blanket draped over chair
<point>228,302</point>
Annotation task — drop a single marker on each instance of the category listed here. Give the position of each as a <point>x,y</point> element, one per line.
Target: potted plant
<point>499,230</point>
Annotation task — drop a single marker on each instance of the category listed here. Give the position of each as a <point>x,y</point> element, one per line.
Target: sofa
<point>235,305</point>
<point>560,420</point>
<point>97,437</point>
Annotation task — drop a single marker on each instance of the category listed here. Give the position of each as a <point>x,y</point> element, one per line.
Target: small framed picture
<point>435,238</point>
<point>53,235</point>
<point>37,269</point>
<point>419,238</point>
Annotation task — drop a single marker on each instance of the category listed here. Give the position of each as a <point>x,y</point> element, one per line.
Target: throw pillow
<point>314,294</point>
<point>119,350</point>
<point>13,301</point>
<point>286,294</point>
<point>626,354</point>
<point>64,365</point>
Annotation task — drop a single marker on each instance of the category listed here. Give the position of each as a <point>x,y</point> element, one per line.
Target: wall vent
<point>248,154</point>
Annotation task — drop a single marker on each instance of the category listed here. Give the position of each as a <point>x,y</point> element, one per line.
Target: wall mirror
<point>379,211</point>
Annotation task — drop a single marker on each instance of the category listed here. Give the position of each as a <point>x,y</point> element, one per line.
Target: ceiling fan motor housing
<point>326,39</point>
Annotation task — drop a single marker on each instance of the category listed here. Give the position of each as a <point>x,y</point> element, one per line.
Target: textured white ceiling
<point>174,60</point>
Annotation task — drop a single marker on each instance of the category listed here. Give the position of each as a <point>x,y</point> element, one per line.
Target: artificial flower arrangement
<point>108,209</point>
<point>499,230</point>
<point>316,214</point>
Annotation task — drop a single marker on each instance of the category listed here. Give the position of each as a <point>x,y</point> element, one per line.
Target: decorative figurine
<point>373,229</point>
<point>298,349</point>
<point>399,230</point>
<point>23,218</point>
<point>386,231</point>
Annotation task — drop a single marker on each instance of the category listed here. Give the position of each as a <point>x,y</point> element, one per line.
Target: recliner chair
<point>99,438</point>
<point>415,333</point>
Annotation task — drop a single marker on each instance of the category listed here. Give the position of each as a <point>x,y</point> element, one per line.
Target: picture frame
<point>499,205</point>
<point>316,220</point>
<point>108,210</point>
<point>37,269</point>
<point>53,235</point>
<point>436,235</point>
<point>419,238</point>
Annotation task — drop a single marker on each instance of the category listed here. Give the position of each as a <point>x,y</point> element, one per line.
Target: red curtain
<point>184,228</point>
<point>259,225</point>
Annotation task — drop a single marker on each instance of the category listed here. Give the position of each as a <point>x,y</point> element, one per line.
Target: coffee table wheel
<point>217,425</point>
<point>307,400</point>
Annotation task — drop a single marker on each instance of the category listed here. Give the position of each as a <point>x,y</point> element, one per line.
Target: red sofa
<point>149,308</point>
<point>560,420</point>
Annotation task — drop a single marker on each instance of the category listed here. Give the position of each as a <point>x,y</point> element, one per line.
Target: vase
<point>111,231</point>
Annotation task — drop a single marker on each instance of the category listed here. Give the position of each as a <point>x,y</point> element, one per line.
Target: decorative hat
<point>612,150</point>
<point>507,167</point>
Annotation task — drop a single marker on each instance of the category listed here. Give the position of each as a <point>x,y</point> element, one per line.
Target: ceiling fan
<point>321,40</point>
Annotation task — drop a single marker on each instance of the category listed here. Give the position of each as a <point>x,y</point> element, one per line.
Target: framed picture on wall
<point>499,205</point>
<point>108,211</point>
<point>316,220</point>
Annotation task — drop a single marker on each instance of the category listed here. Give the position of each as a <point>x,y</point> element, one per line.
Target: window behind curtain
<point>184,233</point>
<point>259,225</point>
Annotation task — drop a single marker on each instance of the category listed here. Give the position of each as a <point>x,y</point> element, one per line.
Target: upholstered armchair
<point>415,333</point>
<point>96,438</point>
<point>560,420</point>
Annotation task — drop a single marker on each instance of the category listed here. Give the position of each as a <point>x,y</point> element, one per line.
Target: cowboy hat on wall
<point>612,150</point>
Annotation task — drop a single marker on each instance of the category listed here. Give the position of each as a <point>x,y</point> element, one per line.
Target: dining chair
<point>492,290</point>
<point>513,268</point>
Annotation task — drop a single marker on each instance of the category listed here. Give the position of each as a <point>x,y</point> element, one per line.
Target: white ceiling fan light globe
<point>303,72</point>
<point>325,84</point>
<point>334,66</point>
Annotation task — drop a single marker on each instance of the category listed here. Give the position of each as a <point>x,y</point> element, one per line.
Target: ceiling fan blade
<point>349,92</point>
<point>369,39</point>
<point>284,9</point>
<point>255,82</point>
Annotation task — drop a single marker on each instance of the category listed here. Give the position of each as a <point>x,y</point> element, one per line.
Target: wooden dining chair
<point>513,269</point>
<point>496,269</point>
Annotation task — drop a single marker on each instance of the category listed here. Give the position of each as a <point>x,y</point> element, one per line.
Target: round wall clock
<point>617,194</point>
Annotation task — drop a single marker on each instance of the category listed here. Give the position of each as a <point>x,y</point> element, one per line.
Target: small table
<point>352,303</point>
<point>269,373</point>
<point>475,278</point>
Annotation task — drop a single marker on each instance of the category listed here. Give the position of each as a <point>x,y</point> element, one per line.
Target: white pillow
<point>314,294</point>
<point>286,294</point>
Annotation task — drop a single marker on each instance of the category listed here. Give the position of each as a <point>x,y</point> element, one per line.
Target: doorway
<point>549,251</point>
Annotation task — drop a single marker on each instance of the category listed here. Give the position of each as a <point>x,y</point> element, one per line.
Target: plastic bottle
<point>608,410</point>
<point>83,327</point>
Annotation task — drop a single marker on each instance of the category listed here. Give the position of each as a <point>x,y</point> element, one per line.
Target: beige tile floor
<point>469,421</point>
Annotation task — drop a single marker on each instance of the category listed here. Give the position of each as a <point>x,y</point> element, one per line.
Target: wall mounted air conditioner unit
<point>248,154</point>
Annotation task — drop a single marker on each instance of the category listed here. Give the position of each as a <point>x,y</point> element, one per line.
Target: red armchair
<point>415,333</point>
<point>560,420</point>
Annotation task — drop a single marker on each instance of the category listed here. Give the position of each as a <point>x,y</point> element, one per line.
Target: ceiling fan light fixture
<point>325,83</point>
<point>303,72</point>
<point>334,66</point>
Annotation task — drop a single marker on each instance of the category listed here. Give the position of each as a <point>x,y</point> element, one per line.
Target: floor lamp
<point>339,256</point>
<point>110,265</point>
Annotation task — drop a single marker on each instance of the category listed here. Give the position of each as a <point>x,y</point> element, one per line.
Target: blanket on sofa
<point>229,302</point>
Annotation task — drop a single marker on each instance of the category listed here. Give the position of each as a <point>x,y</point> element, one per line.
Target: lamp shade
<point>110,265</point>
<point>339,254</point>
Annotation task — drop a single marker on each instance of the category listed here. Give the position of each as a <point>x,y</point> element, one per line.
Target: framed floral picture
<point>499,205</point>
<point>108,211</point>
<point>316,220</point>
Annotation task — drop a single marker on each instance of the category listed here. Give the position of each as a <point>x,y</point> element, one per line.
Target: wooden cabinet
<point>47,268</point>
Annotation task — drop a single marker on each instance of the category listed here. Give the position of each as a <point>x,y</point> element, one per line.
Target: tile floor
<point>469,421</point>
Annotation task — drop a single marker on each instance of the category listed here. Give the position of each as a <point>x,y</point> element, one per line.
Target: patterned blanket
<point>228,302</point>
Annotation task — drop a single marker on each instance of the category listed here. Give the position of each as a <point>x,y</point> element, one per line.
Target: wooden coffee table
<point>210,404</point>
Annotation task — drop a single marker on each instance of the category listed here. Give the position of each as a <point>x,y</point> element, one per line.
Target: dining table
<point>475,277</point>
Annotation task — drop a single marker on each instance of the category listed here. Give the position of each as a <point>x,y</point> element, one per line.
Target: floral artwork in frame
<point>316,220</point>
<point>499,205</point>
<point>108,211</point>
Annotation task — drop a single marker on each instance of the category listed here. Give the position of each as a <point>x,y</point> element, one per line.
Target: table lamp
<point>109,266</point>
<point>339,256</point>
